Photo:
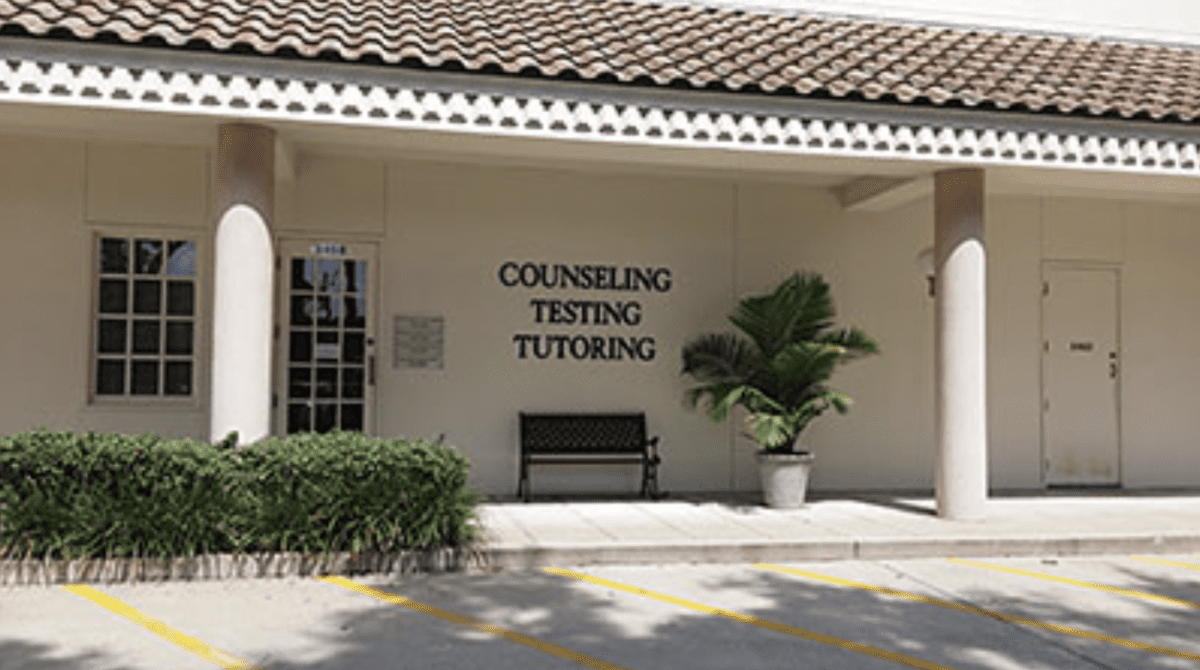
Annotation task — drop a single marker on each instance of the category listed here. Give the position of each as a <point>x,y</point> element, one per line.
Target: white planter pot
<point>784,478</point>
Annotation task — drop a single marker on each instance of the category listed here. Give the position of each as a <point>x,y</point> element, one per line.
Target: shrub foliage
<point>64,495</point>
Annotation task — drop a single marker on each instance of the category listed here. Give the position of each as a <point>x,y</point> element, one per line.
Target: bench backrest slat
<point>583,433</point>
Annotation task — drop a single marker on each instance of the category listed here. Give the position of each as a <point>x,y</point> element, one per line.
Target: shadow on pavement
<point>362,633</point>
<point>634,632</point>
<point>22,655</point>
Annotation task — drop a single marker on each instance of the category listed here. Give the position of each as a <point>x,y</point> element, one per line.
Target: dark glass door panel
<point>352,383</point>
<point>326,374</point>
<point>327,383</point>
<point>352,416</point>
<point>299,418</point>
<point>325,418</point>
<point>299,383</point>
<point>329,276</point>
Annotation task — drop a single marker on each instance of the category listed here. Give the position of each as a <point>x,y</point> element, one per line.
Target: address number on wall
<point>328,249</point>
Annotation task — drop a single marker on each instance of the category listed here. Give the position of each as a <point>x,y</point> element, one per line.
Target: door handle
<point>371,369</point>
<point>1112,370</point>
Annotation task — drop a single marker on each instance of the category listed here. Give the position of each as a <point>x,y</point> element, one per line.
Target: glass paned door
<point>327,342</point>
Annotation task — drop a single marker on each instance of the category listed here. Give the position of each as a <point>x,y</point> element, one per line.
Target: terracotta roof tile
<point>635,41</point>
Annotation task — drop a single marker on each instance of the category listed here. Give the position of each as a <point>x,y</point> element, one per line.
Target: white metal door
<point>1080,376</point>
<point>326,343</point>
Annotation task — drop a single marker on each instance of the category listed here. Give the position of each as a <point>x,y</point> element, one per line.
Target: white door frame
<point>356,247</point>
<point>1046,268</point>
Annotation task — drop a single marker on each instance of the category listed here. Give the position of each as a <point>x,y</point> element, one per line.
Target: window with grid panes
<point>145,319</point>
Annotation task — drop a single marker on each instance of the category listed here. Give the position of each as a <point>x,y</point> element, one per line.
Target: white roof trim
<point>270,90</point>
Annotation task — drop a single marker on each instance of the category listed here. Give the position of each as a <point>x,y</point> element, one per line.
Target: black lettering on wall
<point>508,274</point>
<point>574,311</point>
<point>585,277</point>
<point>586,312</point>
<point>584,347</point>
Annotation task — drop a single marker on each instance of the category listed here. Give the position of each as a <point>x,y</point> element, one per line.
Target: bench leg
<point>650,478</point>
<point>523,491</point>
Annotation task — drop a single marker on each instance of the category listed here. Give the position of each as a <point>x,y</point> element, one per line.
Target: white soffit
<point>41,72</point>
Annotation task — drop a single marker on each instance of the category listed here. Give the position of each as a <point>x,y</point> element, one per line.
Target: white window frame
<point>192,401</point>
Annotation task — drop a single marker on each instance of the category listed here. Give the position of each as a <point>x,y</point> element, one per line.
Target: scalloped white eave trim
<point>334,95</point>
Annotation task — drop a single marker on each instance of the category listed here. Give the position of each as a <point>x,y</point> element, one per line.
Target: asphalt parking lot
<point>994,614</point>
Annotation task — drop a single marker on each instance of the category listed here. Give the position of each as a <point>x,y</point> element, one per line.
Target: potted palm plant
<point>776,369</point>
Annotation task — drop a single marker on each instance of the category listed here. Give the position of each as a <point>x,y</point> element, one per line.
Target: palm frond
<point>772,431</point>
<point>840,401</point>
<point>854,341</point>
<point>724,396</point>
<point>801,366</point>
<point>799,309</point>
<point>721,357</point>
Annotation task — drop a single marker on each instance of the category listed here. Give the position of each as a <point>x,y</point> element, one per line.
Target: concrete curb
<point>230,566</point>
<point>527,558</point>
<point>496,558</point>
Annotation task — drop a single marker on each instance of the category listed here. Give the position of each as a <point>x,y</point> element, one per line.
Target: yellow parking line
<point>1076,582</point>
<point>1166,561</point>
<point>227,661</point>
<point>971,609</point>
<point>475,624</point>
<point>752,620</point>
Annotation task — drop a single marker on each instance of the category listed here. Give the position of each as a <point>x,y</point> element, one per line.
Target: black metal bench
<point>588,439</point>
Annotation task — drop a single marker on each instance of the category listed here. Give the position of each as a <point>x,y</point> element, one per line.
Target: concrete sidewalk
<point>711,529</point>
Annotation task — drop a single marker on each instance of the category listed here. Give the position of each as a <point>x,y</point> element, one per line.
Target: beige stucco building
<point>210,237</point>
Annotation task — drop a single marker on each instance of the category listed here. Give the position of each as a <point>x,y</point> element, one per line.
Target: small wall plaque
<point>418,342</point>
<point>1081,346</point>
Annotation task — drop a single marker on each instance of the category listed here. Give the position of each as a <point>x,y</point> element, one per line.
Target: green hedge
<point>64,495</point>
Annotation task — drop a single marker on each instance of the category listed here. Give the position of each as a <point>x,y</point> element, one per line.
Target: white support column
<point>243,288</point>
<point>961,344</point>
